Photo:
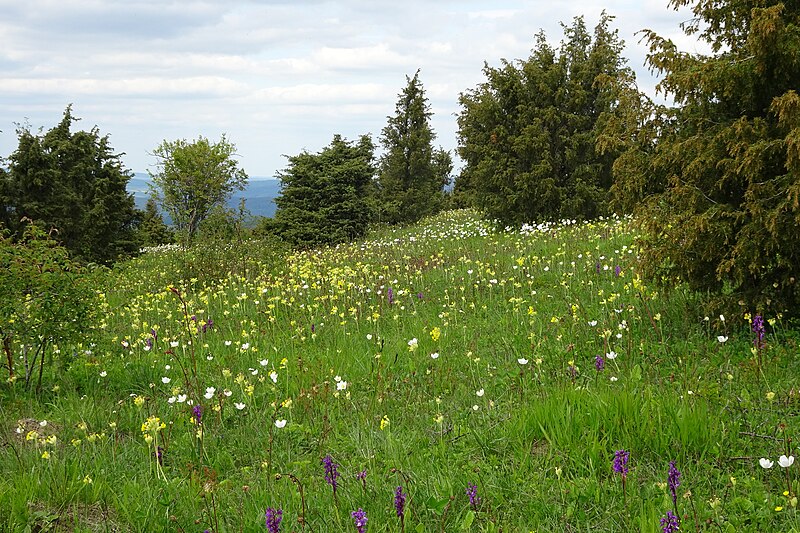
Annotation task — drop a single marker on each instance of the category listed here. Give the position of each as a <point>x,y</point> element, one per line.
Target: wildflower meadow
<point>450,376</point>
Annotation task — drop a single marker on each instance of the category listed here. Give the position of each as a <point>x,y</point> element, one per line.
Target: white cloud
<point>276,75</point>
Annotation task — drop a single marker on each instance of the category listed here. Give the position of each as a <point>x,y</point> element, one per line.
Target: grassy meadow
<point>500,378</point>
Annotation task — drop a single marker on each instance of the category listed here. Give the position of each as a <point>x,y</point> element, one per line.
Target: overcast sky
<point>277,77</point>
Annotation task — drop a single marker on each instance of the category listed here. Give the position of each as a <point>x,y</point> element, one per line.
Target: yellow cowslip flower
<point>46,455</point>
<point>32,435</point>
<point>436,333</point>
<point>87,480</point>
<point>139,401</point>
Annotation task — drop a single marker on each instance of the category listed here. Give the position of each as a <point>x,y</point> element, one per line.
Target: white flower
<point>593,323</point>
<point>341,385</point>
<point>181,398</point>
<point>369,336</point>
<point>475,407</point>
<point>263,362</point>
<point>786,462</point>
<point>227,393</point>
<point>228,343</point>
<point>245,346</point>
<point>103,374</point>
<point>412,344</point>
<point>522,361</point>
<point>479,393</point>
<point>239,406</point>
<point>167,367</point>
<point>171,399</point>
<point>209,393</point>
<point>337,379</point>
<point>435,355</point>
<point>280,424</point>
<point>722,318</point>
<point>165,380</point>
<point>722,338</point>
<point>765,463</point>
<point>611,355</point>
<point>273,376</point>
<point>43,423</point>
<point>174,344</point>
<point>254,371</point>
<point>209,358</point>
<point>613,378</point>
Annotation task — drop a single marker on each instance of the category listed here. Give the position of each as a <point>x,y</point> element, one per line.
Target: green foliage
<point>528,134</point>
<point>72,182</point>
<point>727,157</point>
<point>304,355</point>
<point>194,178</point>
<point>324,196</point>
<point>45,299</point>
<point>412,174</point>
<point>152,230</point>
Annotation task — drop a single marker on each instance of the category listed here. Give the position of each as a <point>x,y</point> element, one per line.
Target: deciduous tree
<point>192,178</point>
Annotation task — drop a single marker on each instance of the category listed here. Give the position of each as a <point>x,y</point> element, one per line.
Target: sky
<point>277,77</point>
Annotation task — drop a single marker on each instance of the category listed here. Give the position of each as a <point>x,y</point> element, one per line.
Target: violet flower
<point>272,518</point>
<point>400,502</point>
<point>620,465</point>
<point>669,524</point>
<point>360,520</point>
<point>599,363</point>
<point>197,413</point>
<point>673,482</point>
<point>331,472</point>
<point>472,494</point>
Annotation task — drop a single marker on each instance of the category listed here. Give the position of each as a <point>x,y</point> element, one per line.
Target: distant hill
<point>259,196</point>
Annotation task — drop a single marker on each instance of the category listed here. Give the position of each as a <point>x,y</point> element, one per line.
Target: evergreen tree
<point>75,184</point>
<point>324,196</point>
<point>727,157</point>
<point>413,174</point>
<point>193,179</point>
<point>528,134</point>
<point>153,231</point>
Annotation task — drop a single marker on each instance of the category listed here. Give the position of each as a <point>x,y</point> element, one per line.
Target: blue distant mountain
<point>259,196</point>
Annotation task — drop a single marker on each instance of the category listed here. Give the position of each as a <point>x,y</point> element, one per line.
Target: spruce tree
<point>153,231</point>
<point>412,174</point>
<point>324,196</point>
<point>75,185</point>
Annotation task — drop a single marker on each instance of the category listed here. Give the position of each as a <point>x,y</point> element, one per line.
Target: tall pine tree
<point>75,184</point>
<point>413,174</point>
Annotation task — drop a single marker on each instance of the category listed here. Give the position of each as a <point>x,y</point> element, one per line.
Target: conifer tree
<point>727,157</point>
<point>528,134</point>
<point>324,196</point>
<point>412,174</point>
<point>153,231</point>
<point>74,184</point>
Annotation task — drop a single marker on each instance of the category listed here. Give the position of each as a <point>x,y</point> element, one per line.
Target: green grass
<point>499,389</point>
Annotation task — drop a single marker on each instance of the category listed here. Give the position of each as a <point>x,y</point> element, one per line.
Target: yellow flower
<point>384,422</point>
<point>139,401</point>
<point>770,396</point>
<point>87,480</point>
<point>779,508</point>
<point>436,333</point>
<point>46,455</point>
